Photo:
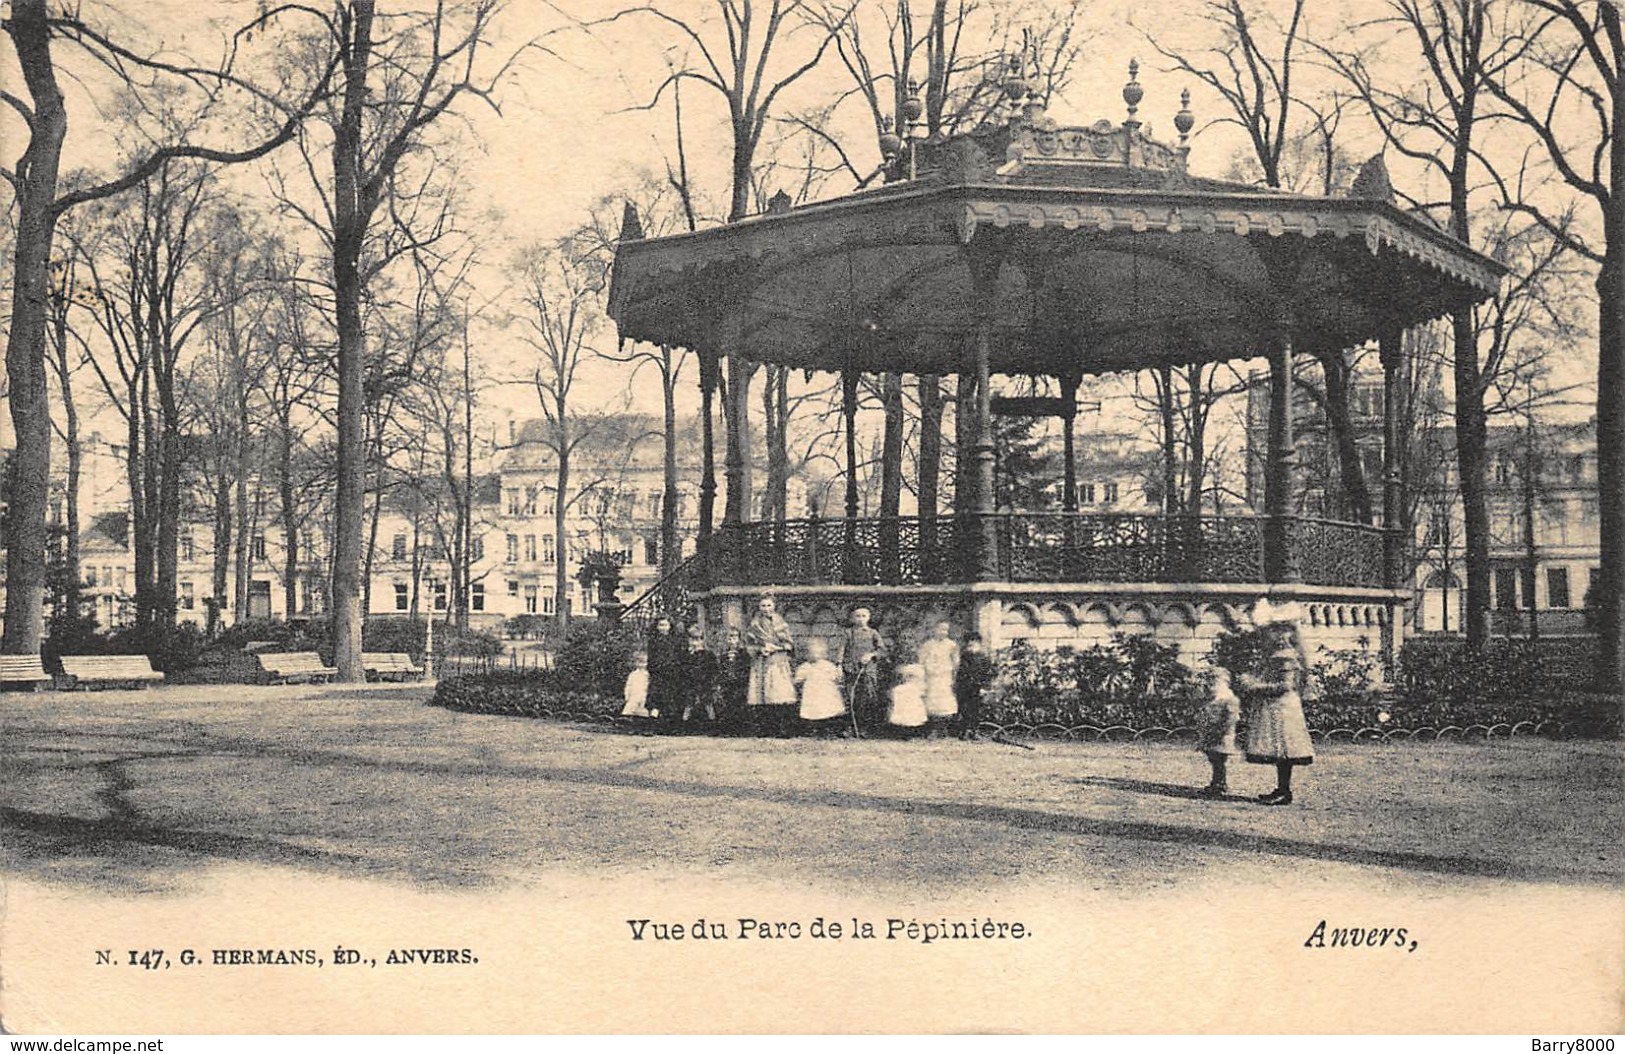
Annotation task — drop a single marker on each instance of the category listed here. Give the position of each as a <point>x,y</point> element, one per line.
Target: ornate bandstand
<point>1024,248</point>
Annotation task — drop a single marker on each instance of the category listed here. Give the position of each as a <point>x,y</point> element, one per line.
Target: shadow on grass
<point>124,839</point>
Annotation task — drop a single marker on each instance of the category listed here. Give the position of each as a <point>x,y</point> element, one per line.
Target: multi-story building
<point>1545,536</point>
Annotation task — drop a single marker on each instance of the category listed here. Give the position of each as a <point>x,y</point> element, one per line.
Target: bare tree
<point>40,203</point>
<point>560,292</point>
<point>1568,57</point>
<point>1437,123</point>
<point>399,74</point>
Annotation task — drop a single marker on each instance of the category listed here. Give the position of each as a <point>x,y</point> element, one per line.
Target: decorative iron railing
<point>1038,547</point>
<point>672,596</point>
<point>1330,553</point>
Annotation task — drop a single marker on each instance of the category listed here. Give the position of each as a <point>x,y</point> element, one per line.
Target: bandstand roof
<point>1113,258</point>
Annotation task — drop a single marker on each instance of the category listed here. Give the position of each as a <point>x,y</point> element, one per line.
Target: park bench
<point>290,666</point>
<point>23,669</point>
<point>390,666</point>
<point>86,670</point>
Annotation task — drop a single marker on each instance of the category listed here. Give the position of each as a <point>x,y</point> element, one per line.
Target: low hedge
<point>1136,684</point>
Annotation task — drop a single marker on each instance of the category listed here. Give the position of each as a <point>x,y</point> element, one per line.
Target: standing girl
<point>939,656</point>
<point>1277,733</point>
<point>772,689</point>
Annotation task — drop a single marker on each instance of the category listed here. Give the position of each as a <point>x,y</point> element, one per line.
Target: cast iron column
<point>1280,563</point>
<point>1391,349</point>
<point>984,272</point>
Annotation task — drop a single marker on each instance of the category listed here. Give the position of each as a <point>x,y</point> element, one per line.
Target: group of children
<point>1277,733</point>
<point>755,686</point>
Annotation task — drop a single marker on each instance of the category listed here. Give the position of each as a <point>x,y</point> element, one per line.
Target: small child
<point>908,699</point>
<point>972,679</point>
<point>701,673</point>
<point>820,683</point>
<point>636,692</point>
<point>1216,726</point>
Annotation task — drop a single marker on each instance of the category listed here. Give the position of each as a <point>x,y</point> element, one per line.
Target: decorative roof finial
<point>891,144</point>
<point>1184,120</point>
<point>1133,93</point>
<point>913,106</point>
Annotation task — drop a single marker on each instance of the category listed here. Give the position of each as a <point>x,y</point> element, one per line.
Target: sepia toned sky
<point>574,125</point>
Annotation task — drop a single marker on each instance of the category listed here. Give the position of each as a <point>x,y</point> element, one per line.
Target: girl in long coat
<point>772,681</point>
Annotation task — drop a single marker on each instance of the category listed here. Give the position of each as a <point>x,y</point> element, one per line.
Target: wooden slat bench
<point>390,666</point>
<point>290,666</point>
<point>86,670</point>
<point>23,669</point>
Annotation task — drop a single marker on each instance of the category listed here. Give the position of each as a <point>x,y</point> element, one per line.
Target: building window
<point>438,590</point>
<point>1506,588</point>
<point>401,596</point>
<point>549,606</point>
<point>397,547</point>
<point>476,596</point>
<point>654,504</point>
<point>513,548</point>
<point>530,501</point>
<point>550,553</point>
<point>550,503</point>
<point>477,548</point>
<point>513,587</point>
<point>188,597</point>
<point>1108,493</point>
<point>188,549</point>
<point>259,547</point>
<point>1557,587</point>
<point>513,501</point>
<point>530,599</point>
<point>1086,493</point>
<point>651,551</point>
<point>90,577</point>
<point>123,579</point>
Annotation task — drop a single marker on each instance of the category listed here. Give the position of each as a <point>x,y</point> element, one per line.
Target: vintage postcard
<point>812,516</point>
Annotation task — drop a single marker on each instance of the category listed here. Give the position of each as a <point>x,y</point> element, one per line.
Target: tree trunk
<point>30,471</point>
<point>289,508</point>
<point>561,544</point>
<point>1471,461</point>
<point>736,408</point>
<point>75,451</point>
<point>891,449</point>
<point>1356,491</point>
<point>349,231</point>
<point>1196,442</point>
<point>1611,435</point>
<point>221,552</point>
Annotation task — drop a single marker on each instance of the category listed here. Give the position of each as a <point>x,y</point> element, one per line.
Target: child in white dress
<point>908,699</point>
<point>636,691</point>
<point>1277,733</point>
<point>939,657</point>
<point>820,684</point>
<point>1216,728</point>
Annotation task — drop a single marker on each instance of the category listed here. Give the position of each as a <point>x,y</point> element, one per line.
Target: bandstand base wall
<point>1070,615</point>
